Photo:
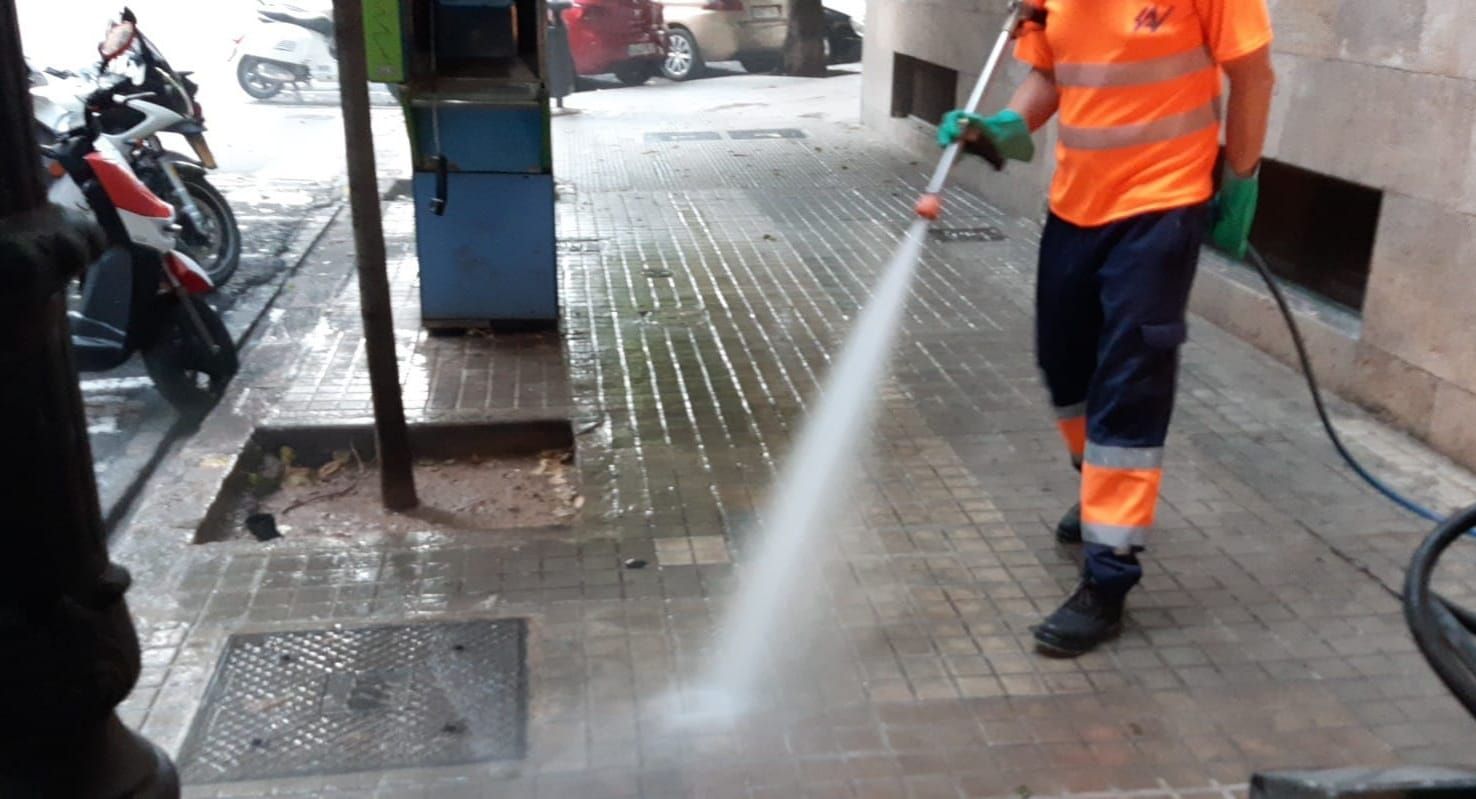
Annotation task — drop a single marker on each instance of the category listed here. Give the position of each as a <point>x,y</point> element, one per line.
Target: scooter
<point>142,295</point>
<point>164,102</point>
<point>292,46</point>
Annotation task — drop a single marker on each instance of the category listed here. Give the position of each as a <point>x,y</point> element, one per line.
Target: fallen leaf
<point>340,459</point>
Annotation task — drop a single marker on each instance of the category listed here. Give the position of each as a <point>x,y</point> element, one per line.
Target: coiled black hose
<point>1444,632</point>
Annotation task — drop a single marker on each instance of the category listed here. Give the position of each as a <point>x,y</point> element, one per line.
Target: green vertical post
<point>384,43</point>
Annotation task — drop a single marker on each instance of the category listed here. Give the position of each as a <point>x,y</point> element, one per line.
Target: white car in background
<point>748,31</point>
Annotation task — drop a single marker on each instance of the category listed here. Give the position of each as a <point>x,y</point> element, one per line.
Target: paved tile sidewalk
<point>705,286</point>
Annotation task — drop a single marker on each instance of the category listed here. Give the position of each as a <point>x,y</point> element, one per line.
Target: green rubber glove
<point>1235,210</point>
<point>1006,129</point>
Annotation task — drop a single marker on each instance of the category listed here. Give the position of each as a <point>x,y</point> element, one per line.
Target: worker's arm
<point>1251,82</point>
<point>1037,99</point>
<point>1007,132</point>
<point>1252,79</point>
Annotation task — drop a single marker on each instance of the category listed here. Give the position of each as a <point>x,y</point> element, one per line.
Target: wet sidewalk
<point>717,239</point>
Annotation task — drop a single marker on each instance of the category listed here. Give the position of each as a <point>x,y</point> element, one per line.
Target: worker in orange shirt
<point>1137,85</point>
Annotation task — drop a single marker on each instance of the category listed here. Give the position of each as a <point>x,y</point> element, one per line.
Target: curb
<point>146,450</point>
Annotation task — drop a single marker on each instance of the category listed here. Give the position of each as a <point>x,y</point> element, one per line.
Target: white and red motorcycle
<point>161,100</point>
<point>143,295</point>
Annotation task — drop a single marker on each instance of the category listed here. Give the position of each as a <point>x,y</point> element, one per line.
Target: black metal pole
<point>70,652</point>
<point>397,475</point>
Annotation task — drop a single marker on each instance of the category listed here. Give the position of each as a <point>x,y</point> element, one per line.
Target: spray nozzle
<point>929,207</point>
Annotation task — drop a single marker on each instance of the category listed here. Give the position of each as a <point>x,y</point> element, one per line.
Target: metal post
<point>70,650</point>
<point>397,476</point>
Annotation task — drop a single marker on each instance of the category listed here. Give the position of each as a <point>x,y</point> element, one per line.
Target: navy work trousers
<point>1110,319</point>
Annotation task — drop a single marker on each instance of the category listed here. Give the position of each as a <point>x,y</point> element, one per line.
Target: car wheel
<point>762,63</point>
<point>683,57</point>
<point>635,73</point>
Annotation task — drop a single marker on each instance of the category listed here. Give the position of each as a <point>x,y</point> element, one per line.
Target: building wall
<point>1378,93</point>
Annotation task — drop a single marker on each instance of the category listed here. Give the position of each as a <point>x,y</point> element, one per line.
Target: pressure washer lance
<point>930,205</point>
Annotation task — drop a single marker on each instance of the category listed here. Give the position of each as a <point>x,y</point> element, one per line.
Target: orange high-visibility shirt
<point>1140,98</point>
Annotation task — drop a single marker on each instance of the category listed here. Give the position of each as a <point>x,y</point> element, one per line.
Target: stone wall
<point>1378,93</point>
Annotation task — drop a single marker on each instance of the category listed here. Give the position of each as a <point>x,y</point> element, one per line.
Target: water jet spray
<point>824,453</point>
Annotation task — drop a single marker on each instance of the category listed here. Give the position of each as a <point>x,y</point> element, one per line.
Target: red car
<point>627,37</point>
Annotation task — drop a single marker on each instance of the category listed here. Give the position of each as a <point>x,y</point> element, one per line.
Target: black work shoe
<point>1068,530</point>
<point>1089,617</point>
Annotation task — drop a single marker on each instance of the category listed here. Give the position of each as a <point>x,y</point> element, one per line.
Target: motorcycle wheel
<point>216,248</point>
<point>260,87</point>
<point>180,363</point>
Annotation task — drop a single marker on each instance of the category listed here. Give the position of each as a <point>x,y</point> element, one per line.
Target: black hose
<point>1332,432</point>
<point>1444,632</point>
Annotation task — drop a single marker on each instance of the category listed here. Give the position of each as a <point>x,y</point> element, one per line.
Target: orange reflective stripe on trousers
<point>1119,494</point>
<point>1072,422</point>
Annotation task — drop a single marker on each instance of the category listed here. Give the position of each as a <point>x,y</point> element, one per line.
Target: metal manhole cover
<point>767,133</point>
<point>340,700</point>
<point>685,135</point>
<point>968,234</point>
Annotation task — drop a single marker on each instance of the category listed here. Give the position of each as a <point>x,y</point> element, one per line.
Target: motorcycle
<point>142,295</point>
<point>164,102</point>
<point>292,46</point>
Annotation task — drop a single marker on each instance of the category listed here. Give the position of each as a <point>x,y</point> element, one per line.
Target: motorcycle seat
<point>316,23</point>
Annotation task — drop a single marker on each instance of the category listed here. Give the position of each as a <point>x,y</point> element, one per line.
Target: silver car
<point>749,31</point>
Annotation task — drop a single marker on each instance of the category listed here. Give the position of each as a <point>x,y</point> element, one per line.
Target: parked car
<point>842,38</point>
<point>855,9</point>
<point>626,37</point>
<point>748,31</point>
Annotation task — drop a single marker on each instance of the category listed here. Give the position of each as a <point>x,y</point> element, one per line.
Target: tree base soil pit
<point>323,482</point>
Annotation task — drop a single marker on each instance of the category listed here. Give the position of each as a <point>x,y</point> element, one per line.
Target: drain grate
<point>684,135</point>
<point>967,234</point>
<point>340,700</point>
<point>767,133</point>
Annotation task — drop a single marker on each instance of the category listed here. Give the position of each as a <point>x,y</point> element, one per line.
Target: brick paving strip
<point>705,283</point>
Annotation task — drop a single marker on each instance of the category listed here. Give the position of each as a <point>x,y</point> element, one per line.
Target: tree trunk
<point>804,49</point>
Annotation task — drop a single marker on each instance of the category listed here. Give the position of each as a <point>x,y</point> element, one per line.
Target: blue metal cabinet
<point>473,88</point>
<point>483,138</point>
<point>490,259</point>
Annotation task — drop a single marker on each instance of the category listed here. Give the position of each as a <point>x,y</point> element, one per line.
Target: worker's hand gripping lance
<point>930,205</point>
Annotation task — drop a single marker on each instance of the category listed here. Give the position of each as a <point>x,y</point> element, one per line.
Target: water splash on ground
<point>802,500</point>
